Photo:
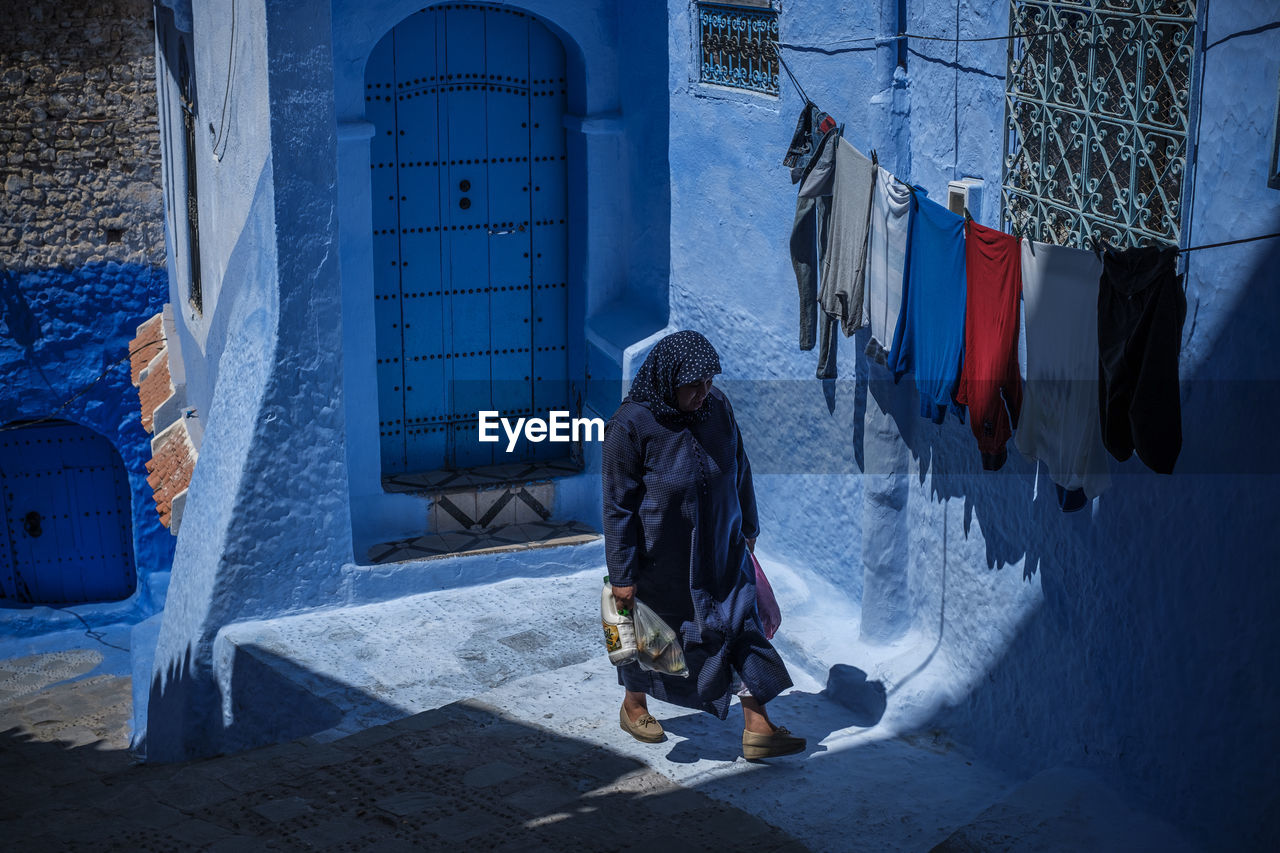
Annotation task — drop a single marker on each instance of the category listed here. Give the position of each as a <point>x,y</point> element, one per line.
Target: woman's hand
<point>625,596</point>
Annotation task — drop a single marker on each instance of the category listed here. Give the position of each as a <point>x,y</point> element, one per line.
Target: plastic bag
<point>766,603</point>
<point>657,648</point>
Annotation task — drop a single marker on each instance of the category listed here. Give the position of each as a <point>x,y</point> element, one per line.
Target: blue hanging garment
<point>929,340</point>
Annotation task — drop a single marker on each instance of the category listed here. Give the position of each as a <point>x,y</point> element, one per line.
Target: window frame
<point>1033,199</point>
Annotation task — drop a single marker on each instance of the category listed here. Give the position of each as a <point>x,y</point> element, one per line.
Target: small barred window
<point>1096,115</point>
<point>739,45</point>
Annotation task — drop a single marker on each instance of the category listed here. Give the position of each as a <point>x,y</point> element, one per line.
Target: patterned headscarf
<point>678,359</point>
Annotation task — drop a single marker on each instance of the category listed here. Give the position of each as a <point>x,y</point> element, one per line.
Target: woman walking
<point>679,523</point>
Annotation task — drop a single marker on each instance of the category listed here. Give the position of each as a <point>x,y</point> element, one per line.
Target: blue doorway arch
<point>65,517</point>
<point>470,239</point>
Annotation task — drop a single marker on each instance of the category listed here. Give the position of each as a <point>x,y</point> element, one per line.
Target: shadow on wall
<point>19,319</point>
<point>1153,658</point>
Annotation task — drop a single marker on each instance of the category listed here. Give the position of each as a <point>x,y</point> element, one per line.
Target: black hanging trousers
<point>1141,309</point>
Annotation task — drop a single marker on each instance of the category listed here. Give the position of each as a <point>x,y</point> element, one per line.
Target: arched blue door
<point>67,524</point>
<point>470,241</point>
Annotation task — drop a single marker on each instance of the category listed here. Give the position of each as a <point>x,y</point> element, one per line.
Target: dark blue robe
<point>679,507</point>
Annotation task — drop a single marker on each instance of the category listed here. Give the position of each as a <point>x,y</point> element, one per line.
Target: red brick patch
<point>146,346</point>
<point>173,458</point>
<point>156,387</point>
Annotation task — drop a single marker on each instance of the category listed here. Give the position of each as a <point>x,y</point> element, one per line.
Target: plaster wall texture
<point>732,206</point>
<point>1117,638</point>
<point>1132,628</point>
<point>65,330</point>
<point>1047,639</point>
<point>267,524</point>
<point>270,518</point>
<point>81,235</point>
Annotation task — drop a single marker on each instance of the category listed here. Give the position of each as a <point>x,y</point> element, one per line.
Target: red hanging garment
<point>990,383</point>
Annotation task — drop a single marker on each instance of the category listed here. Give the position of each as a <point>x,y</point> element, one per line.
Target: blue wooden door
<point>470,239</point>
<point>68,529</point>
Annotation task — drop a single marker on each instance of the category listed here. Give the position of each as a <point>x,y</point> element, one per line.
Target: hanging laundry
<point>929,341</point>
<point>1059,420</point>
<point>1141,309</point>
<point>990,383</point>
<point>887,241</point>
<point>812,125</point>
<point>846,175</point>
<point>814,130</point>
<point>844,265</point>
<point>816,187</point>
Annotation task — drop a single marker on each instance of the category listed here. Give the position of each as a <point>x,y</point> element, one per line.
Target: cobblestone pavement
<point>461,775</point>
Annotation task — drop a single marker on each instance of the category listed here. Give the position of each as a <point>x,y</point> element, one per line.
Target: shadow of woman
<point>848,700</point>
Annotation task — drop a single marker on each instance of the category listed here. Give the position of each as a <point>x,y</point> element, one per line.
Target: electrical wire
<point>89,631</point>
<point>956,40</point>
<point>80,393</point>
<point>919,37</point>
<point>794,81</point>
<point>223,123</point>
<point>1250,32</point>
<point>1230,242</point>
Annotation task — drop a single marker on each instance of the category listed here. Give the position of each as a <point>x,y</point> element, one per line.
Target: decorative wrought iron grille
<point>739,47</point>
<point>1096,113</point>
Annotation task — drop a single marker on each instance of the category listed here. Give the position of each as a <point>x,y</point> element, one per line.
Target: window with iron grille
<point>187,96</point>
<point>1096,114</point>
<point>739,42</point>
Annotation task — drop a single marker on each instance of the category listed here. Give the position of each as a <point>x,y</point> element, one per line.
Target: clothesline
<point>1230,242</point>
<point>1181,249</point>
<point>898,36</point>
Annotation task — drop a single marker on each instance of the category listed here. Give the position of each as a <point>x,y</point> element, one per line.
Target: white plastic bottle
<point>619,630</point>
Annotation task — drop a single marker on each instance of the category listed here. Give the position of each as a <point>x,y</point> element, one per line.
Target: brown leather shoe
<point>645,729</point>
<point>779,742</point>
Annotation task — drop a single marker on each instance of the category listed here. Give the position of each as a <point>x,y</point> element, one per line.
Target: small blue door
<point>470,240</point>
<point>68,528</point>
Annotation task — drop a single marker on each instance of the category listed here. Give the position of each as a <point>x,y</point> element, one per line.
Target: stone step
<point>344,669</point>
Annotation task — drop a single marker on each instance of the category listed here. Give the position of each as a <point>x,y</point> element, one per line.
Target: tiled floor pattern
<point>536,534</point>
<point>494,506</point>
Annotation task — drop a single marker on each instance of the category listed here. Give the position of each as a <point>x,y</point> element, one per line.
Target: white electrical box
<point>965,194</point>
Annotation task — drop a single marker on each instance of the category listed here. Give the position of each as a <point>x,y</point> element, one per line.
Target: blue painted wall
<point>1133,639</point>
<point>280,361</point>
<point>64,331</point>
<point>267,348</point>
<point>1153,654</point>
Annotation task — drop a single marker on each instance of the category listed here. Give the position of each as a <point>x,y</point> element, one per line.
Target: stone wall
<point>82,246</point>
<point>78,136</point>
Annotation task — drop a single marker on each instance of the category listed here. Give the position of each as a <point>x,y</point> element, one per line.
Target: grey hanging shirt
<point>848,176</point>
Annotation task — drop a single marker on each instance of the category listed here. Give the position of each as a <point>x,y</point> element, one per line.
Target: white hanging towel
<point>1059,423</point>
<point>890,230</point>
